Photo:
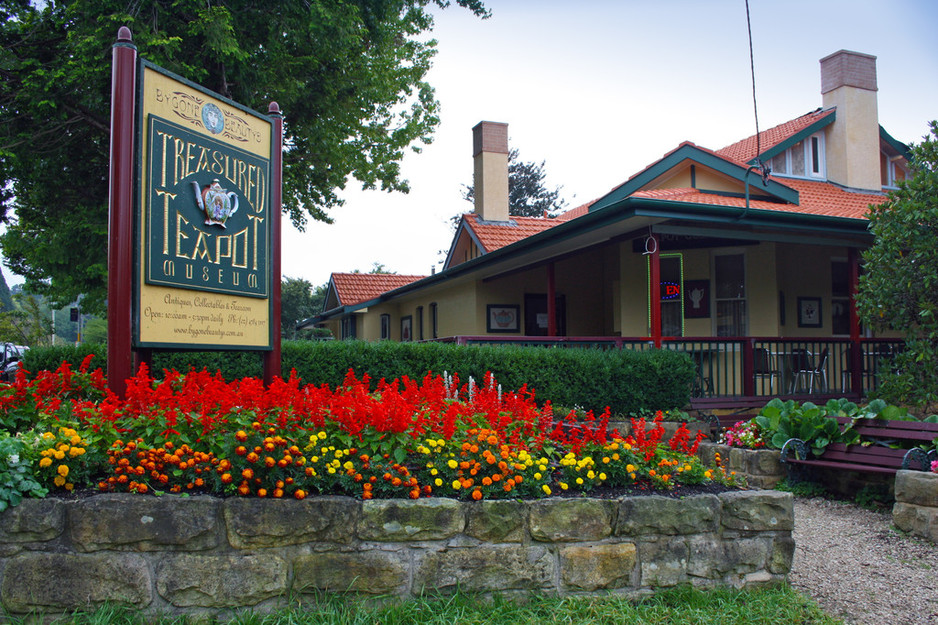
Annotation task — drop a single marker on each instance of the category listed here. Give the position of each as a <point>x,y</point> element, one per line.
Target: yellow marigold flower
<point>322,436</point>
<point>538,476</point>
<point>546,489</point>
<point>626,446</point>
<point>348,466</point>
<point>45,462</point>
<point>452,464</point>
<point>591,474</point>
<point>76,440</point>
<point>708,474</point>
<point>69,432</point>
<point>59,481</point>
<point>434,472</point>
<point>59,455</point>
<point>605,459</point>
<point>630,468</point>
<point>564,486</point>
<point>438,482</point>
<point>69,486</point>
<point>62,470</point>
<point>602,477</point>
<point>456,484</point>
<point>48,435</point>
<point>579,481</point>
<point>75,451</point>
<point>632,475</point>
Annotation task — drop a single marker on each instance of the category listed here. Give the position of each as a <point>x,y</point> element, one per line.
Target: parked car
<point>10,360</point>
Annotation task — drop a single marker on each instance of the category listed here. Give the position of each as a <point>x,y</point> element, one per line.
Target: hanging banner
<point>203,240</point>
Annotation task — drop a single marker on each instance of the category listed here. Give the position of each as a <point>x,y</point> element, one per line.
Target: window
<point>419,323</point>
<point>730,294</point>
<point>434,327</point>
<point>840,297</point>
<point>385,326</point>
<point>348,327</point>
<point>805,159</point>
<point>893,171</point>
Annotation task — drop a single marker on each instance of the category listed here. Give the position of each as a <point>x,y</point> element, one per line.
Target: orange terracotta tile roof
<point>354,288</point>
<point>745,150</point>
<point>815,198</point>
<point>495,235</point>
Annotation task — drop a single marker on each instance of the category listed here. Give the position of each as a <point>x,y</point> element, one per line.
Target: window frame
<point>717,300</point>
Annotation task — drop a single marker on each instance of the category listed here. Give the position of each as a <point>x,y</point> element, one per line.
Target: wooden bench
<point>875,457</point>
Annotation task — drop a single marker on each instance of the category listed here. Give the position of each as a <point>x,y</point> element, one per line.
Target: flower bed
<point>198,555</point>
<point>197,433</point>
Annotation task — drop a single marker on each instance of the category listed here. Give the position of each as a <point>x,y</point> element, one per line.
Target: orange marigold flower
<point>247,473</point>
<point>252,457</point>
<point>278,493</point>
<point>241,436</point>
<point>414,494</point>
<point>366,494</point>
<point>244,490</point>
<point>477,494</point>
<point>167,445</point>
<point>261,492</point>
<point>241,450</point>
<point>486,481</point>
<point>299,493</point>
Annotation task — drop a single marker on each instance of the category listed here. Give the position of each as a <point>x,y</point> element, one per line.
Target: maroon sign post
<point>272,358</point>
<point>120,215</point>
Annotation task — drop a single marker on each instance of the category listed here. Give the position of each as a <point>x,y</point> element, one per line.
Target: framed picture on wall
<point>809,312</point>
<point>502,318</point>
<point>696,299</point>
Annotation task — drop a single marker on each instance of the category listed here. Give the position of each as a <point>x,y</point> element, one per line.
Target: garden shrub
<point>627,381</point>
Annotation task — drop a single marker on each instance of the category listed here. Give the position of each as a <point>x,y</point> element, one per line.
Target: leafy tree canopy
<point>527,194</point>
<point>348,74</point>
<point>899,289</point>
<point>300,300</point>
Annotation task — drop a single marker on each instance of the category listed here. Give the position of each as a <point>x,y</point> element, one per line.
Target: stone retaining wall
<point>916,507</point>
<point>761,468</point>
<point>203,555</point>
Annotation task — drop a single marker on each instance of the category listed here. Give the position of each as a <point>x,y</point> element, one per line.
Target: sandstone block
<point>34,520</point>
<point>919,520</point>
<point>664,515</point>
<point>220,581</point>
<point>56,582</point>
<point>423,519</point>
<point>372,572</point>
<point>567,520</point>
<point>917,487</point>
<point>663,563</point>
<point>486,568</point>
<point>713,559</point>
<point>766,462</point>
<point>131,522</point>
<point>782,555</point>
<point>497,521</point>
<point>256,523</point>
<point>758,510</point>
<point>598,567</point>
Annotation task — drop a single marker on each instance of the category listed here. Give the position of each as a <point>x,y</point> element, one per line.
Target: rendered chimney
<point>848,82</point>
<point>490,163</point>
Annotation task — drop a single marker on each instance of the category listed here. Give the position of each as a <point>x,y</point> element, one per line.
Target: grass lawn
<point>781,606</point>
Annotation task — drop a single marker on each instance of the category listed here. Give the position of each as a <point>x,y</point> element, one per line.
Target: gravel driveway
<point>860,569</point>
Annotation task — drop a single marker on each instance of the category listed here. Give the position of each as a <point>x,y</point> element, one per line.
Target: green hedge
<point>626,381</point>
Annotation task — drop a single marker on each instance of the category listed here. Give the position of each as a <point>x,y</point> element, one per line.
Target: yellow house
<point>750,268</point>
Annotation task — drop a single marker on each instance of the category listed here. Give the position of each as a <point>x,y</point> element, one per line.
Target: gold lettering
<point>201,247</point>
<point>180,235</point>
<point>167,196</point>
<point>255,221</point>
<point>179,162</point>
<point>240,243</point>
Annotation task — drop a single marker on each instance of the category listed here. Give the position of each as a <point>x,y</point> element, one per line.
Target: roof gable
<point>354,288</point>
<point>778,139</point>
<point>688,152</point>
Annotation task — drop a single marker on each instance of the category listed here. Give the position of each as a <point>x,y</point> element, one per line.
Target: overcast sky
<point>601,88</point>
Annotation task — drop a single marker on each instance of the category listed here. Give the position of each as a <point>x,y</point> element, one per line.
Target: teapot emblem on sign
<point>217,203</point>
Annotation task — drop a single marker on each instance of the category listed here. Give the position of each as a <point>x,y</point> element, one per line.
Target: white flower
<point>13,458</point>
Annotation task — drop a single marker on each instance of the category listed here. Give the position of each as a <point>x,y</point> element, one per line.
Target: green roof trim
<point>702,157</point>
<point>895,144</point>
<point>803,134</point>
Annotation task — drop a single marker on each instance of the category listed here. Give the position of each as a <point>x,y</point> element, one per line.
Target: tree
<point>349,77</point>
<point>527,195</point>
<point>299,301</point>
<point>898,290</point>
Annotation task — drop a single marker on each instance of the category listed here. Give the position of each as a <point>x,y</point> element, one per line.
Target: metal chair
<point>764,366</point>
<point>804,369</point>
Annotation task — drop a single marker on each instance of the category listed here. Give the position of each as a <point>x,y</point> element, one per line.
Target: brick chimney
<point>490,162</point>
<point>848,82</point>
